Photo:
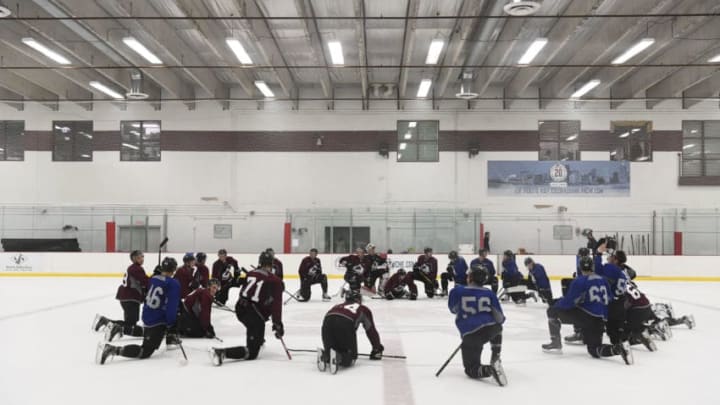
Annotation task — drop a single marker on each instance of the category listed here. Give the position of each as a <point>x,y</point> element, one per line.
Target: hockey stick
<point>448,360</point>
<point>292,296</point>
<point>183,361</point>
<point>223,306</point>
<point>285,347</point>
<point>162,245</point>
<point>342,287</point>
<point>218,339</point>
<point>389,356</point>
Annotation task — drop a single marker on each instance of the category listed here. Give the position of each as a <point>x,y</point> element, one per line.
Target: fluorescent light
<point>336,53</point>
<point>238,50</point>
<point>399,155</point>
<point>412,124</point>
<point>584,89</point>
<point>127,145</point>
<point>408,135</point>
<point>403,146</point>
<point>634,50</point>
<point>32,43</point>
<point>85,155</point>
<point>532,51</point>
<point>264,89</point>
<point>107,90</point>
<point>424,88</point>
<point>613,153</point>
<point>714,59</point>
<point>434,51</point>
<point>140,49</point>
<point>693,131</point>
<point>635,130</point>
<point>624,135</point>
<point>67,138</point>
<point>571,137</point>
<point>642,158</point>
<point>688,146</point>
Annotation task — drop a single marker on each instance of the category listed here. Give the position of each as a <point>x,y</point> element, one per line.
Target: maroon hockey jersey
<point>224,271</point>
<point>396,282</point>
<point>263,290</point>
<point>427,265</point>
<point>309,267</point>
<point>135,283</point>
<point>199,303</point>
<point>635,299</point>
<point>184,276</point>
<point>358,314</point>
<point>277,268</point>
<point>201,276</point>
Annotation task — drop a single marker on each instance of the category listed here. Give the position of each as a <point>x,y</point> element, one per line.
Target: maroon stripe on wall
<point>349,141</point>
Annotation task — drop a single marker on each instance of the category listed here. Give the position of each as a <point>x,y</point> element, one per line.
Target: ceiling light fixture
<point>336,53</point>
<point>424,88</point>
<point>635,130</point>
<point>688,146</point>
<point>239,51</point>
<point>141,50</point>
<point>434,51</point>
<point>532,51</point>
<point>412,124</point>
<point>408,135</point>
<point>264,89</point>
<point>572,137</point>
<point>4,11</point>
<point>403,146</point>
<point>107,90</point>
<point>715,59</point>
<point>634,50</point>
<point>32,43</point>
<point>584,89</point>
<point>624,135</point>
<point>127,145</point>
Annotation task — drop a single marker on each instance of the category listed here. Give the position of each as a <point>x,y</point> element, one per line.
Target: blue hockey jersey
<point>589,293</point>
<point>540,277</point>
<point>475,307</point>
<point>488,264</point>
<point>161,301</point>
<point>460,268</point>
<point>510,271</point>
<point>614,275</point>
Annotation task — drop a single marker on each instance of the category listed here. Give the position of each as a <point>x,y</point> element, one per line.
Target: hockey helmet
<point>479,274</point>
<point>265,259</point>
<point>353,296</point>
<point>586,264</point>
<point>201,257</point>
<point>452,255</point>
<point>188,257</point>
<point>168,265</point>
<point>529,260</point>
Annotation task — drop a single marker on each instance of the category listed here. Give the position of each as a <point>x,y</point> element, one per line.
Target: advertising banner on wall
<point>19,262</point>
<point>568,178</point>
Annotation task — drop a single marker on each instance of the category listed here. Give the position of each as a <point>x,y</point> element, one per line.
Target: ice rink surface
<point>47,356</point>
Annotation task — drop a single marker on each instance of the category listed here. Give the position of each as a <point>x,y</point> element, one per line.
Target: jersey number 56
<point>473,305</point>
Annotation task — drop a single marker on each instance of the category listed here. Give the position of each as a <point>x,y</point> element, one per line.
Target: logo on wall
<point>18,262</point>
<point>558,175</point>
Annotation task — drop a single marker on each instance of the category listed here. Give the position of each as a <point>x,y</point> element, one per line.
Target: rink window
<point>559,140</point>
<point>140,141</point>
<point>633,141</point>
<point>701,149</point>
<point>12,137</point>
<point>72,141</point>
<point>418,141</point>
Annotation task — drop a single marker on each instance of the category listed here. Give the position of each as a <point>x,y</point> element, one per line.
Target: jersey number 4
<point>473,305</point>
<point>254,286</point>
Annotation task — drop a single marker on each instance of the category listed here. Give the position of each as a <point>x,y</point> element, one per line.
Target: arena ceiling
<point>384,45</point>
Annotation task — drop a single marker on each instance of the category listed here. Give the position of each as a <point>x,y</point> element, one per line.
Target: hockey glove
<point>278,329</point>
<point>376,353</point>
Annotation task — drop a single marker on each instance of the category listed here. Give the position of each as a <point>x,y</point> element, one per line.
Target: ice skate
<point>498,372</point>
<point>626,353</point>
<point>104,351</point>
<point>99,322</point>
<point>113,330</point>
<point>334,361</point>
<point>322,362</point>
<point>574,339</point>
<point>553,347</point>
<point>217,356</point>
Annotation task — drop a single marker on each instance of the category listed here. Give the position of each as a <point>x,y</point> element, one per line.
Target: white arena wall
<point>31,264</point>
<point>277,181</point>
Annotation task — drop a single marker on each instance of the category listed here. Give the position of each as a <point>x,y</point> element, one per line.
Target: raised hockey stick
<point>448,360</point>
<point>162,245</point>
<point>389,356</point>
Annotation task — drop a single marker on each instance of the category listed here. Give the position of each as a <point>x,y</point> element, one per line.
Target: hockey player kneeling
<point>260,299</point>
<point>158,315</point>
<point>479,319</point>
<point>194,319</point>
<point>339,337</point>
<point>586,306</point>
